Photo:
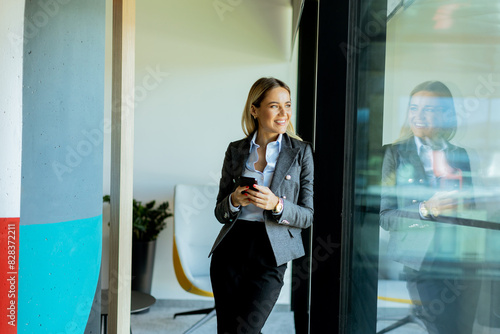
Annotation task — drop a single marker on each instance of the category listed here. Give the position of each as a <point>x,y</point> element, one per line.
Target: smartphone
<point>244,181</point>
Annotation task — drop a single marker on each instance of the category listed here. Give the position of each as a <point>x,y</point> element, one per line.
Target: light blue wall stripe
<point>63,110</point>
<point>59,266</point>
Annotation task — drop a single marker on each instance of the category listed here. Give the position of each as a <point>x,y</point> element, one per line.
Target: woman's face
<point>425,114</point>
<point>274,112</point>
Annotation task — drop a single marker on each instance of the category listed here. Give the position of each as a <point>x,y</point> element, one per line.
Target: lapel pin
<point>288,177</point>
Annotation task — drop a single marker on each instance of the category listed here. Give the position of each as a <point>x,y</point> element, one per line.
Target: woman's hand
<point>263,198</point>
<point>238,198</point>
<point>443,202</point>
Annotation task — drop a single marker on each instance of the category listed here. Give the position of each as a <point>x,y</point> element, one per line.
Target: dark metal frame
<point>339,215</point>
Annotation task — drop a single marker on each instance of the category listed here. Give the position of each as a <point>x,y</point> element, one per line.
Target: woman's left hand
<point>263,198</point>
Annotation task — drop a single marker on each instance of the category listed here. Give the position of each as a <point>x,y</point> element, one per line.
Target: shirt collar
<point>254,145</point>
<point>419,144</point>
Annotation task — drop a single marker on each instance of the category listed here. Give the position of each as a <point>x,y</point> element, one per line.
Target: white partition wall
<point>11,63</point>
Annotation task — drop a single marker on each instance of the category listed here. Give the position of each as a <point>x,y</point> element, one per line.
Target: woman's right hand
<point>238,198</point>
<point>443,202</point>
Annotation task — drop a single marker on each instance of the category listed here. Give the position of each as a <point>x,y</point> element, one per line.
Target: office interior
<point>351,66</point>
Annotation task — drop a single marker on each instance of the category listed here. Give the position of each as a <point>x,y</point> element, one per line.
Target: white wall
<point>11,115</point>
<point>194,67</point>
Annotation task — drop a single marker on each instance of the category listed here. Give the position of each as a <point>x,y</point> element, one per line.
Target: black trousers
<point>446,304</point>
<point>245,279</point>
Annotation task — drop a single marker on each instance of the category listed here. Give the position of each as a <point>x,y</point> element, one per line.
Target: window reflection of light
<point>493,169</point>
<point>443,16</point>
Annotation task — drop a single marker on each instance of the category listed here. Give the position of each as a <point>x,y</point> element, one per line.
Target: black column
<point>350,74</point>
<point>306,106</point>
<point>329,157</point>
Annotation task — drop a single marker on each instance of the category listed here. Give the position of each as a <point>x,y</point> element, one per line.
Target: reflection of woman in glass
<point>426,180</point>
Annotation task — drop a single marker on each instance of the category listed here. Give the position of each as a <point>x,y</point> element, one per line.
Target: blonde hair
<point>439,89</point>
<point>255,96</point>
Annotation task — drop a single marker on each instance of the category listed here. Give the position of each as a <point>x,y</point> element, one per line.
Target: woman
<point>426,181</point>
<point>262,227</point>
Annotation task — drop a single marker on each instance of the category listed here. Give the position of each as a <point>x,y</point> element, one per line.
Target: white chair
<point>195,230</point>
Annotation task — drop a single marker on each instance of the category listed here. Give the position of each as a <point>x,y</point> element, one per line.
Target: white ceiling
<point>276,2</point>
<point>461,21</point>
<point>259,27</point>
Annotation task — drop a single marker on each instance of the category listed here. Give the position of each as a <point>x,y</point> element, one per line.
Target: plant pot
<point>143,258</point>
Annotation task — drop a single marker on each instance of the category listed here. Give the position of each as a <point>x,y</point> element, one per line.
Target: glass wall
<point>424,207</point>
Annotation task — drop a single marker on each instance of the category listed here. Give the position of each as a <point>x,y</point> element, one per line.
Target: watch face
<point>423,211</point>
<point>435,212</point>
<point>278,207</point>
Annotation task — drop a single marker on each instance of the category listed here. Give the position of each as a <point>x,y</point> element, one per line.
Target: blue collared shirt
<point>425,153</point>
<point>264,178</point>
<point>426,157</point>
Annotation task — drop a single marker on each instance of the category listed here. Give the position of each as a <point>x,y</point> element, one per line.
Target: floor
<point>160,319</point>
<point>388,312</point>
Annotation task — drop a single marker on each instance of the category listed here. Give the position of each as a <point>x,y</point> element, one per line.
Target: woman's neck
<point>435,142</point>
<point>263,139</point>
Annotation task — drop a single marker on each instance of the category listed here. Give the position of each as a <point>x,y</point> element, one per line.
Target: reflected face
<point>274,112</point>
<point>425,114</point>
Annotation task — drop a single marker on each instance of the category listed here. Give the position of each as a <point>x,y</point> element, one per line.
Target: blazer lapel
<point>451,156</point>
<point>287,156</point>
<point>409,153</point>
<point>240,155</point>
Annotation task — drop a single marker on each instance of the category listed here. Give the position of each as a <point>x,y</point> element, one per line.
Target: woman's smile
<point>425,114</point>
<point>273,114</point>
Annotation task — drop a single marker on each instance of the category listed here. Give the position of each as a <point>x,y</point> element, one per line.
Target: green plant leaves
<point>147,220</point>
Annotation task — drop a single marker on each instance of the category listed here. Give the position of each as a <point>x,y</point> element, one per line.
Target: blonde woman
<point>261,224</point>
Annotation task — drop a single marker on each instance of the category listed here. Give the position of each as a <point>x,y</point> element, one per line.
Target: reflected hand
<point>442,202</point>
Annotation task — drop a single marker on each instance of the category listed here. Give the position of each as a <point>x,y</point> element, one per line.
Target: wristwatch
<point>422,209</point>
<point>279,206</point>
<point>435,212</point>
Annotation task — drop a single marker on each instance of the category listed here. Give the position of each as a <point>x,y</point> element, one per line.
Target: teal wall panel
<point>58,275</point>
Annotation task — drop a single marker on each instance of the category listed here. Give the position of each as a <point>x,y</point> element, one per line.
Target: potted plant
<point>147,222</point>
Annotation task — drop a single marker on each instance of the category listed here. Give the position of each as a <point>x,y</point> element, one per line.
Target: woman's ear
<point>253,111</point>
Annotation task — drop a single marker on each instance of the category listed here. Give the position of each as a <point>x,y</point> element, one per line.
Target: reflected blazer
<point>404,186</point>
<point>292,182</point>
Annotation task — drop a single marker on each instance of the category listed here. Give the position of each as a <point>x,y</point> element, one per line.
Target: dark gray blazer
<point>292,181</point>
<point>404,187</point>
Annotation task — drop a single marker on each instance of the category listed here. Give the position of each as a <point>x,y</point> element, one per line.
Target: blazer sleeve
<point>464,164</point>
<point>222,211</point>
<point>300,213</point>
<point>388,204</point>
<point>393,217</point>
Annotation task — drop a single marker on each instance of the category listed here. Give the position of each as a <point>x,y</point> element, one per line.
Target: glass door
<point>422,212</point>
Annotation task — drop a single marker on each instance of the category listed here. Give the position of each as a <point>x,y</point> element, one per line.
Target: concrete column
<point>61,198</point>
